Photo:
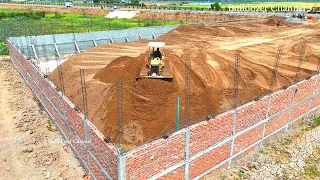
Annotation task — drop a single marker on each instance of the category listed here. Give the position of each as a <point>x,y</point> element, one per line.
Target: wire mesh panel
<point>85,45</point>
<point>67,48</point>
<point>32,46</point>
<point>104,152</point>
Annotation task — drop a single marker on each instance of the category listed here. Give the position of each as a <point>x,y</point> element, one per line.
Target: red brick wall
<point>281,100</point>
<point>71,126</point>
<point>305,89</point>
<point>248,138</point>
<point>316,101</point>
<point>251,114</point>
<point>176,174</point>
<point>276,123</point>
<point>205,134</point>
<point>209,160</point>
<point>152,158</point>
<point>300,110</point>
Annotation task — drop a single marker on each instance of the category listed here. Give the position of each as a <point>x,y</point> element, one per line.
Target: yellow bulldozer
<point>156,66</point>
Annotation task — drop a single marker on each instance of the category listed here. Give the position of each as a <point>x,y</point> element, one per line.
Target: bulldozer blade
<point>166,73</point>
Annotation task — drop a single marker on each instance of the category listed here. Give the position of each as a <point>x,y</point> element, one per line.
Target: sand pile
<point>149,105</point>
<point>272,21</point>
<point>126,67</point>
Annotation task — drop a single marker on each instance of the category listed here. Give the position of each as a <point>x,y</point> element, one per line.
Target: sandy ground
<point>149,105</point>
<point>30,146</point>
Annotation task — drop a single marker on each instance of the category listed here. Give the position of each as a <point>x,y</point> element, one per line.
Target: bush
<point>58,15</point>
<point>3,49</point>
<point>216,6</point>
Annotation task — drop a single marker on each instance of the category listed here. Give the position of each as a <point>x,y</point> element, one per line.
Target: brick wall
<point>97,156</point>
<point>209,160</point>
<point>205,134</point>
<point>152,158</point>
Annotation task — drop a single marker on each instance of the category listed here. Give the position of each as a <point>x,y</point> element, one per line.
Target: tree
<point>96,1</point>
<point>216,6</point>
<point>135,2</point>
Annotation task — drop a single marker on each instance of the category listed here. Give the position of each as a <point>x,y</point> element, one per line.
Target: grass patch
<point>311,170</point>
<point>312,124</point>
<point>241,174</point>
<point>3,49</point>
<point>22,14</point>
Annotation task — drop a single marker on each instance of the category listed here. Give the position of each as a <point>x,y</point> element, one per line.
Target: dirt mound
<point>272,21</point>
<point>148,105</point>
<point>125,67</point>
<point>145,101</point>
<point>222,31</point>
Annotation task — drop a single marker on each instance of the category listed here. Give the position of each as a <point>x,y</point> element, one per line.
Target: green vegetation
<point>241,174</point>
<point>312,124</point>
<point>21,14</point>
<point>216,6</point>
<point>312,168</point>
<point>25,23</point>
<point>3,49</point>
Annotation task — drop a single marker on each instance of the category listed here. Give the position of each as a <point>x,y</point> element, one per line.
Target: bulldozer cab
<point>156,50</point>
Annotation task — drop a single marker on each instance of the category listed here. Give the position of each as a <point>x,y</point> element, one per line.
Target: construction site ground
<point>30,145</point>
<point>149,106</point>
<point>295,155</point>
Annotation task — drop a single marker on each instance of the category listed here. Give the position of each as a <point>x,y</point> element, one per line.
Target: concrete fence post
<point>121,167</point>
<point>187,154</point>
<point>313,94</point>
<point>34,51</point>
<point>266,123</point>
<point>291,106</point>
<point>86,144</point>
<point>57,50</point>
<point>233,135</point>
<point>77,47</point>
<point>93,40</point>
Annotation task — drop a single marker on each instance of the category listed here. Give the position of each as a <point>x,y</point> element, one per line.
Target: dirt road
<point>30,146</point>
